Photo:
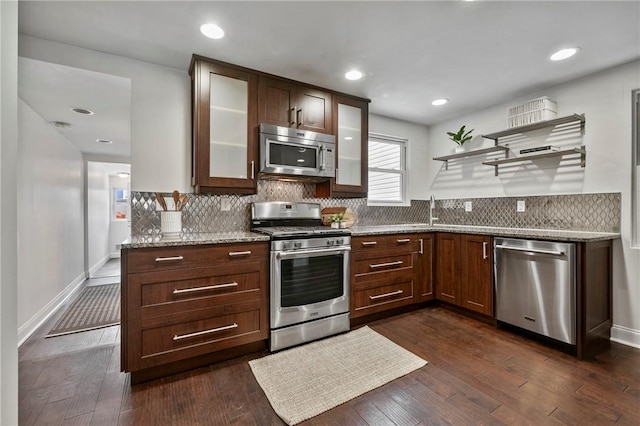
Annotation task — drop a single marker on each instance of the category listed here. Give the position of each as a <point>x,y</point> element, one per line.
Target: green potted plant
<point>337,220</point>
<point>460,137</point>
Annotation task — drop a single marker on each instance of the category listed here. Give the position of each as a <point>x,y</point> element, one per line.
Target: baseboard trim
<point>28,328</point>
<point>99,264</point>
<point>626,336</point>
<point>115,255</point>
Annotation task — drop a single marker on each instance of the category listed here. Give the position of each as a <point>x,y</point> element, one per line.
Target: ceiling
<point>475,53</point>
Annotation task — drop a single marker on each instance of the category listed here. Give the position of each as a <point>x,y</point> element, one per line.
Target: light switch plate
<point>225,203</point>
<point>169,202</point>
<point>468,206</point>
<point>520,207</point>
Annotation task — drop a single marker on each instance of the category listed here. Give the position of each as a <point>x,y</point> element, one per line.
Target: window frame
<point>403,172</point>
<point>635,168</point>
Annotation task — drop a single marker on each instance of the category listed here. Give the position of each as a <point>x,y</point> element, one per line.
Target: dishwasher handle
<point>528,250</point>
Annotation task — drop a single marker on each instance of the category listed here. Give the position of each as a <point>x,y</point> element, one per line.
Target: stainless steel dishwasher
<point>535,283</point>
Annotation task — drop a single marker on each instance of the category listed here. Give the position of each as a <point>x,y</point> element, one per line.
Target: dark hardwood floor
<point>476,375</point>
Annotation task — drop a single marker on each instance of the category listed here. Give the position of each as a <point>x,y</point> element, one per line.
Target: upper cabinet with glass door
<point>224,127</point>
<point>351,127</point>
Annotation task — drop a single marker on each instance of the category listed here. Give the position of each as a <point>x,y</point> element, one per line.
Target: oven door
<point>308,285</point>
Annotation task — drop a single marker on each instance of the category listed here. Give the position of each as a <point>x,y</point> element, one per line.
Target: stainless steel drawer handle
<point>380,296</point>
<point>239,253</point>
<point>369,243</point>
<point>484,250</point>
<point>528,250</point>
<point>200,333</point>
<point>404,240</point>
<point>421,246</point>
<point>168,259</point>
<point>382,265</point>
<point>208,287</point>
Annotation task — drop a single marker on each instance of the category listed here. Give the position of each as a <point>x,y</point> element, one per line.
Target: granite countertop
<point>540,234</point>
<point>149,241</point>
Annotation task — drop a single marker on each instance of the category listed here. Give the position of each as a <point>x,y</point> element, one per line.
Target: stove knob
<point>287,245</point>
<point>298,245</point>
<point>340,241</point>
<point>330,242</point>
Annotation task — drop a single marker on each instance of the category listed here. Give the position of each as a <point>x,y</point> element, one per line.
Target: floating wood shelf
<point>446,158</point>
<point>582,151</point>
<point>539,125</point>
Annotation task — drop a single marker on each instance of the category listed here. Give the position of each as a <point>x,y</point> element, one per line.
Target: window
<point>120,203</point>
<point>387,170</point>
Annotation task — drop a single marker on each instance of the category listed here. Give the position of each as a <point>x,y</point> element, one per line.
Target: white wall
<point>50,203</point>
<point>417,151</point>
<point>160,111</point>
<point>8,212</point>
<point>98,215</point>
<point>605,99</point>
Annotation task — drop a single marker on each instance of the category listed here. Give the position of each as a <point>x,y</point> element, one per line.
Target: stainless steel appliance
<point>535,284</point>
<point>309,277</point>
<point>296,153</point>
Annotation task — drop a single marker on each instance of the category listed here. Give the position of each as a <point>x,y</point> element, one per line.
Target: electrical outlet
<point>520,207</point>
<point>168,201</point>
<point>225,203</point>
<point>468,206</point>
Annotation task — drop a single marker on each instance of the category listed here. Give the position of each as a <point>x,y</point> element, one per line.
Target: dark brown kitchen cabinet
<point>476,268</point>
<point>187,306</point>
<point>351,128</point>
<point>224,139</point>
<point>423,265</point>
<point>464,271</point>
<point>288,104</point>
<point>382,273</point>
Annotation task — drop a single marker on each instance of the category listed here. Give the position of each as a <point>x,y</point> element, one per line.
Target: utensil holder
<point>171,224</point>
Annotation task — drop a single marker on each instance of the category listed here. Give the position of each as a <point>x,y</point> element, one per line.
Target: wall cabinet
<point>288,104</point>
<point>351,128</point>
<point>224,114</point>
<point>180,304</point>
<point>464,271</point>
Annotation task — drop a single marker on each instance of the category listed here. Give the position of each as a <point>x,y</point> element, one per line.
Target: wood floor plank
<point>476,374</point>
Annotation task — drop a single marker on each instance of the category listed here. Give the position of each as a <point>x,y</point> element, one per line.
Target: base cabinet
<point>423,263</point>
<point>464,271</point>
<point>180,303</point>
<point>382,273</point>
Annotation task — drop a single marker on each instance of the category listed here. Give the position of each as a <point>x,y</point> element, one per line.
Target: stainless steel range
<point>309,278</point>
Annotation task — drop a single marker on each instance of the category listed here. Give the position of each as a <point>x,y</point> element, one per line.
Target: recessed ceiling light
<point>564,53</point>
<point>212,31</point>
<point>82,111</point>
<point>122,174</point>
<point>439,102</point>
<point>61,124</point>
<point>353,75</point>
<point>348,138</point>
<point>105,141</point>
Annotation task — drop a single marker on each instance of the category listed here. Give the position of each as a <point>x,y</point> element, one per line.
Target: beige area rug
<point>303,382</point>
<point>95,307</point>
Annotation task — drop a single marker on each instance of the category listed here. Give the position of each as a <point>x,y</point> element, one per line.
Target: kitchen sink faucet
<point>432,206</point>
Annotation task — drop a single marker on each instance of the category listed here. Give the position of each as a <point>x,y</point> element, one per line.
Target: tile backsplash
<point>203,213</point>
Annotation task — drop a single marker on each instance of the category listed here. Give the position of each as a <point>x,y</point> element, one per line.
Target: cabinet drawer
<point>382,298</point>
<point>167,292</point>
<point>402,242</point>
<point>200,332</point>
<point>184,257</point>
<point>381,264</point>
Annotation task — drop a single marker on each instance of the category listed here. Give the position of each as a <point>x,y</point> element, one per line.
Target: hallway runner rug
<point>95,307</point>
<point>305,381</point>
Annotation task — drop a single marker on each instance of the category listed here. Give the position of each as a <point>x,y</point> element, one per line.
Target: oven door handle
<point>286,254</point>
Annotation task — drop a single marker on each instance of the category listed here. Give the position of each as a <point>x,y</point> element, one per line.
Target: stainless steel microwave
<point>288,152</point>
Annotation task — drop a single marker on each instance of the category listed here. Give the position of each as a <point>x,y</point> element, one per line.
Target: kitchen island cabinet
<point>187,306</point>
